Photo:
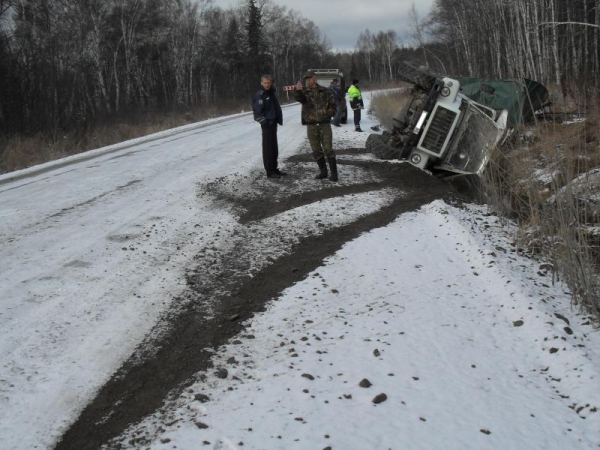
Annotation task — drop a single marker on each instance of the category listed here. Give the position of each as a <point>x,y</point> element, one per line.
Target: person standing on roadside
<point>267,112</point>
<point>356,102</point>
<point>318,107</point>
<point>336,91</point>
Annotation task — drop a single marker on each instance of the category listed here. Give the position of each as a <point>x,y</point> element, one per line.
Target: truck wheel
<point>377,145</point>
<point>410,73</point>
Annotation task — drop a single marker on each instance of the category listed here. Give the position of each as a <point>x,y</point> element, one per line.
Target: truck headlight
<point>417,128</point>
<point>415,158</point>
<point>445,92</point>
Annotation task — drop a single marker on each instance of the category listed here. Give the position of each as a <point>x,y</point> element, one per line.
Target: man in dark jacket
<point>267,112</point>
<point>318,107</point>
<point>336,91</point>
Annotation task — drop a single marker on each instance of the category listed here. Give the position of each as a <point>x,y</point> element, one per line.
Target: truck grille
<point>438,130</point>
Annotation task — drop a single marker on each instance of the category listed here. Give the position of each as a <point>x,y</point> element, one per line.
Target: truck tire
<point>377,145</point>
<point>411,73</point>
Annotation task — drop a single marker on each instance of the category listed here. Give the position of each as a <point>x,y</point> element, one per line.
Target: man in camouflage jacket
<point>318,107</point>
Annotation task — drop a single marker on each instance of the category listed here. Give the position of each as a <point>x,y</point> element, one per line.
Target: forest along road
<point>119,273</point>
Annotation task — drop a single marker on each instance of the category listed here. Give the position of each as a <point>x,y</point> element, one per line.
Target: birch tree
<point>384,46</point>
<point>417,31</point>
<point>366,48</point>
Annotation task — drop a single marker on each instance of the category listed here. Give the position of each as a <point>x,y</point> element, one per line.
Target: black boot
<point>323,169</point>
<point>333,168</point>
<point>357,128</point>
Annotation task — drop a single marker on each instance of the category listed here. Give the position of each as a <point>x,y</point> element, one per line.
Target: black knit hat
<point>355,81</point>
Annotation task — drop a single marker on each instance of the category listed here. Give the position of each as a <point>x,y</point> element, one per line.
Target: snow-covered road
<point>93,251</point>
<point>468,339</point>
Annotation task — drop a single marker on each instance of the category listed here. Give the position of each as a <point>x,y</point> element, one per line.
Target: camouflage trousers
<point>320,139</point>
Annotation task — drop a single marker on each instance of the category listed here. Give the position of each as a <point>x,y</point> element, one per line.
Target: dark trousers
<point>270,150</point>
<point>338,113</point>
<point>357,117</point>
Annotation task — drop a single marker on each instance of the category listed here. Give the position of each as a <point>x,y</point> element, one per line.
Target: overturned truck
<point>452,125</point>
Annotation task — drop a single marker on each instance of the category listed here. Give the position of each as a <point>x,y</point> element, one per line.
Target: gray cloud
<point>342,21</point>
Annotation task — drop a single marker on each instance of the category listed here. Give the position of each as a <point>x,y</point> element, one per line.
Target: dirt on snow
<point>238,274</point>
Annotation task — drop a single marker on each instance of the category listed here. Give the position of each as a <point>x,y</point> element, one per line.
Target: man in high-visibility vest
<point>356,103</point>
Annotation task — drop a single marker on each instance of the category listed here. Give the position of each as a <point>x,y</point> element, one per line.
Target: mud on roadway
<point>244,268</point>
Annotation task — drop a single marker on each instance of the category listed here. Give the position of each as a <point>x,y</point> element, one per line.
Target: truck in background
<point>324,78</point>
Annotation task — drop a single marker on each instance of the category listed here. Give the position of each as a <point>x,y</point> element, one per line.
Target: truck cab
<point>458,135</point>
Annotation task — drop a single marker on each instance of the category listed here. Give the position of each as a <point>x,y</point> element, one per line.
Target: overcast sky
<point>343,20</point>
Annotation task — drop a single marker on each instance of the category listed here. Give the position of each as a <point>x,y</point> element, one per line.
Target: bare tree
<point>550,40</point>
<point>366,48</point>
<point>417,31</point>
<point>384,46</point>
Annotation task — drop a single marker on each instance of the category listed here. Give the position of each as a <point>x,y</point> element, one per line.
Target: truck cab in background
<point>324,78</point>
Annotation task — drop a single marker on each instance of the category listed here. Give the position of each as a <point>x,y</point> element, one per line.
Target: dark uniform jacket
<point>318,105</point>
<point>266,108</point>
<point>336,92</point>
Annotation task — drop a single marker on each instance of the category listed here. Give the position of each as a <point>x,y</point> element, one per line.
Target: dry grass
<point>19,152</point>
<point>549,183</point>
